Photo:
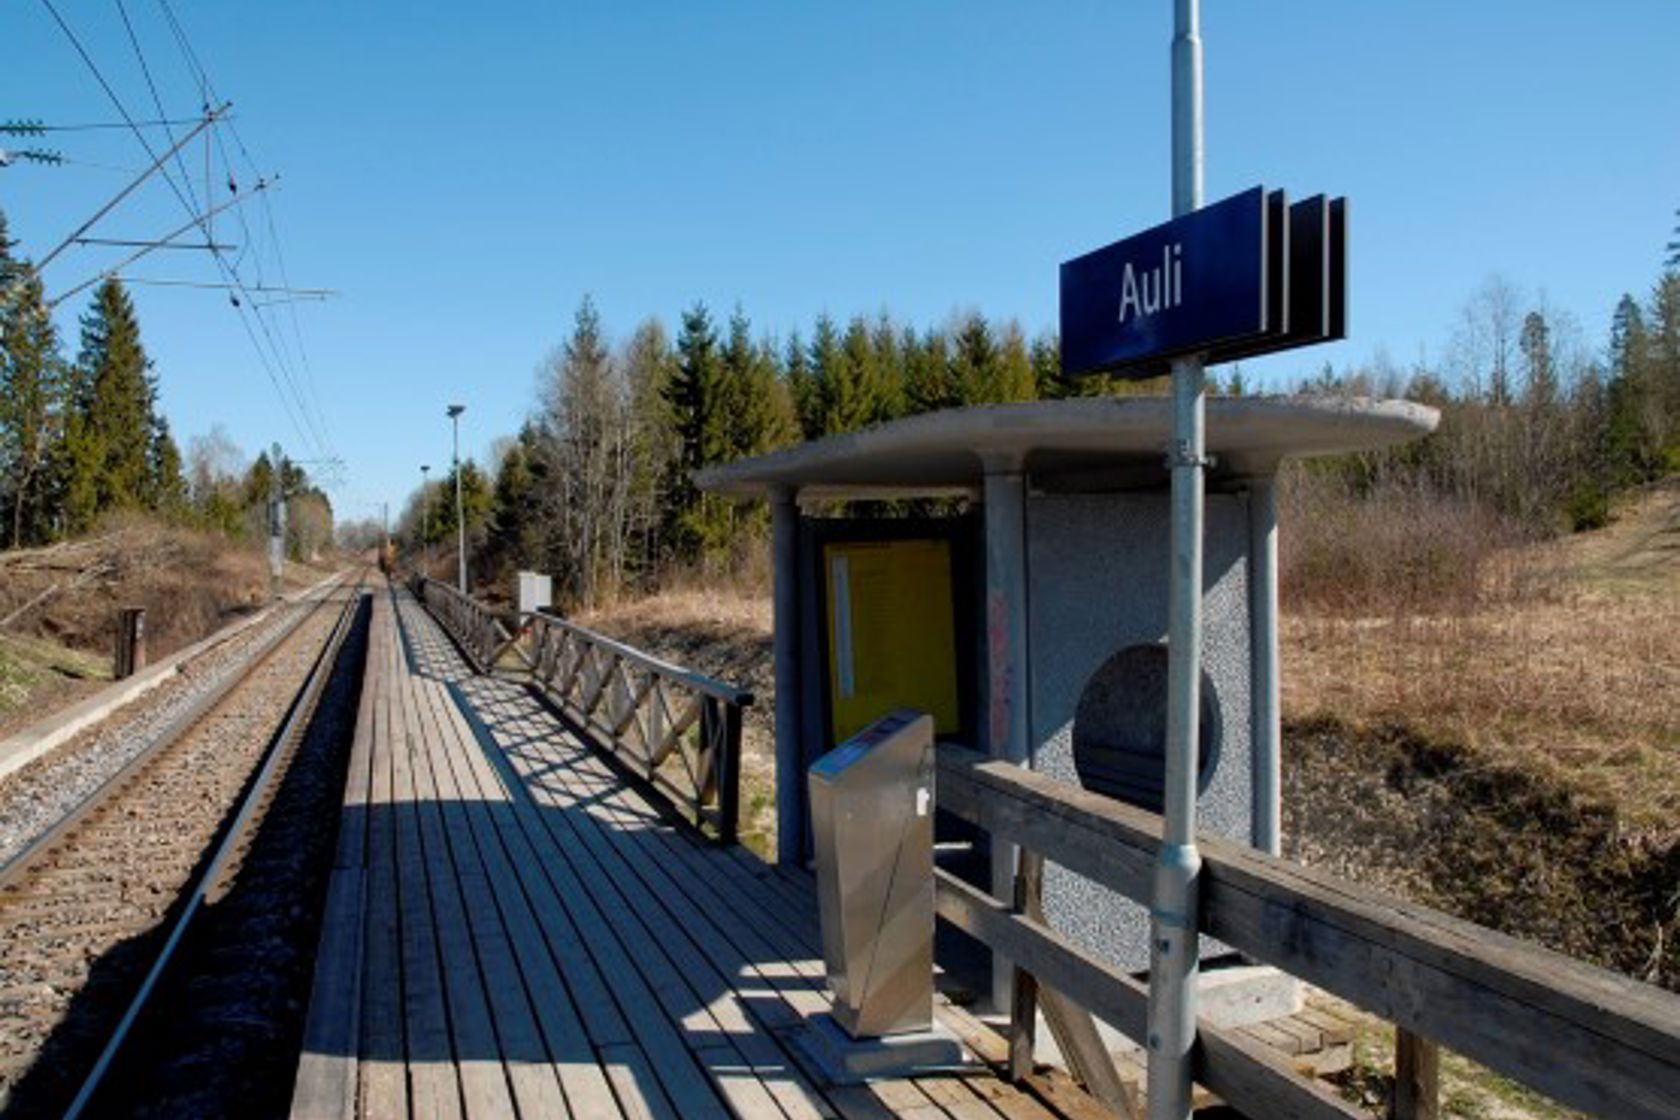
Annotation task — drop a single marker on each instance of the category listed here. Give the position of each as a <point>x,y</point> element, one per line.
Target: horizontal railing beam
<point>601,701</point>
<point>728,693</point>
<point>1587,1037</point>
<point>1244,1072</point>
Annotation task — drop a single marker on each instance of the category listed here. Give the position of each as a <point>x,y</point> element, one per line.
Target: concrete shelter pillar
<point>1007,729</point>
<point>1265,731</point>
<point>790,771</point>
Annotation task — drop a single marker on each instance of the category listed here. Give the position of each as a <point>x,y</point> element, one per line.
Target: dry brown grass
<point>62,603</point>
<point>1578,674</point>
<point>190,582</point>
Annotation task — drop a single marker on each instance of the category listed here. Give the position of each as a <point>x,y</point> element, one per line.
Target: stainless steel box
<point>872,824</point>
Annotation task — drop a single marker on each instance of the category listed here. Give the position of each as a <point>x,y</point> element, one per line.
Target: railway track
<point>93,911</point>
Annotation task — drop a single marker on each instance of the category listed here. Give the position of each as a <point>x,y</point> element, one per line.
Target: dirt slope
<point>58,605</point>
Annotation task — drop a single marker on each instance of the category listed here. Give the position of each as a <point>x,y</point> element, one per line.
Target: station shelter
<point>1005,569</point>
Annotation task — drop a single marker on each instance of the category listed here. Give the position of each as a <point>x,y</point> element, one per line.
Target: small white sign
<point>535,592</point>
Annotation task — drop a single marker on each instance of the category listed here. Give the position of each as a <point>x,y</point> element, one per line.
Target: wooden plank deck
<point>512,930</point>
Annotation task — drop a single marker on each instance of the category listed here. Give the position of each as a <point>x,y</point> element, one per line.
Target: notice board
<point>891,633</point>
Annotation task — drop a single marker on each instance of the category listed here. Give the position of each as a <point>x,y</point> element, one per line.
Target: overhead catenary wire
<point>273,360</point>
<point>297,293</point>
<point>149,247</point>
<point>156,164</point>
<point>157,101</point>
<point>208,94</point>
<point>133,243</point>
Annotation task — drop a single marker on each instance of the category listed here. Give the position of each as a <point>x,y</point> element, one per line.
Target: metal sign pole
<point>1173,943</point>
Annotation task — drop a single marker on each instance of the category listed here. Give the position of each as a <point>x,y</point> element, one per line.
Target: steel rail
<point>15,868</point>
<point>280,749</point>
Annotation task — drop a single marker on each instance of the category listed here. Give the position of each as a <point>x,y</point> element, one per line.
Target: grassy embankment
<point>1513,760</point>
<point>58,605</point>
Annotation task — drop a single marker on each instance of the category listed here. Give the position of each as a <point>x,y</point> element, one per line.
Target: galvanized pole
<point>276,525</point>
<point>455,411</point>
<point>1173,957</point>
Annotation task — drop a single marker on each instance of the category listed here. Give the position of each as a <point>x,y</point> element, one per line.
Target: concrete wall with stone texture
<point>1098,573</point>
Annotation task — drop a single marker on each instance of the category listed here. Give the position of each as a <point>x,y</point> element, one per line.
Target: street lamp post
<point>425,519</point>
<point>454,413</point>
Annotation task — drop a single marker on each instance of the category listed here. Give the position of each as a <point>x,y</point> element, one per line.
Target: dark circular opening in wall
<point>1120,728</point>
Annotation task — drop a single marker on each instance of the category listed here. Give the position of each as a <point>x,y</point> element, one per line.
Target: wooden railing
<point>1588,1038</point>
<point>481,632</point>
<point>675,729</point>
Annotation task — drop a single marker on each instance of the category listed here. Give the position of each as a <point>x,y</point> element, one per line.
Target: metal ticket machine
<point>872,817</point>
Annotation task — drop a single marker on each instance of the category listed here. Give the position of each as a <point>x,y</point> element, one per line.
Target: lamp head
<point>455,410</point>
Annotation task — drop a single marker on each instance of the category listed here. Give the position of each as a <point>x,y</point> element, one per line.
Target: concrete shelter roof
<point>1087,443</point>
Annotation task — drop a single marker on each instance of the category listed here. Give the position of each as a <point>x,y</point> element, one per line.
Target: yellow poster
<point>891,634</point>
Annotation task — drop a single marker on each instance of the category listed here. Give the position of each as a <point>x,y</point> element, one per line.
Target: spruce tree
<point>1045,358</point>
<point>1016,379</point>
<point>851,383</point>
<point>974,361</point>
<point>514,540</point>
<point>1630,455</point>
<point>1540,384</point>
<point>259,480</point>
<point>889,391</point>
<point>1664,374</point>
<point>649,368</point>
<point>79,455</point>
<point>115,412</point>
<point>696,392</point>
<point>776,423</point>
<point>803,387</point>
<point>31,383</point>
<point>166,485</point>
<point>825,368</point>
<point>750,413</point>
<point>927,372</point>
<point>698,398</point>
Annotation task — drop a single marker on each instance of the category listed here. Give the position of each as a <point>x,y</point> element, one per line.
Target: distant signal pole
<point>276,524</point>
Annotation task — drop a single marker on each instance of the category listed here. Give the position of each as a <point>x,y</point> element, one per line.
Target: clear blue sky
<point>464,174</point>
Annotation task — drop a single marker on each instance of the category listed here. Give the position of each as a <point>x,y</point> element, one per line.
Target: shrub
<point>1389,545</point>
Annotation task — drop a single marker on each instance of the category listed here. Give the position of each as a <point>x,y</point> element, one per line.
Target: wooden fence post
<point>1417,1077</point>
<point>729,777</point>
<point>130,655</point>
<point>1023,1003</point>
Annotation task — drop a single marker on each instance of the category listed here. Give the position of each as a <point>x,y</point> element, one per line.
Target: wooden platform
<point>511,930</point>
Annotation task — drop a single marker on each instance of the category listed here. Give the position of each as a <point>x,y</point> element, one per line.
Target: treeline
<point>1536,428</point>
<point>595,487</point>
<point>83,438</point>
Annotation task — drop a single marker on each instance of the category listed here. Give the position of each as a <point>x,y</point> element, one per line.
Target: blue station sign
<point>1199,281</point>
